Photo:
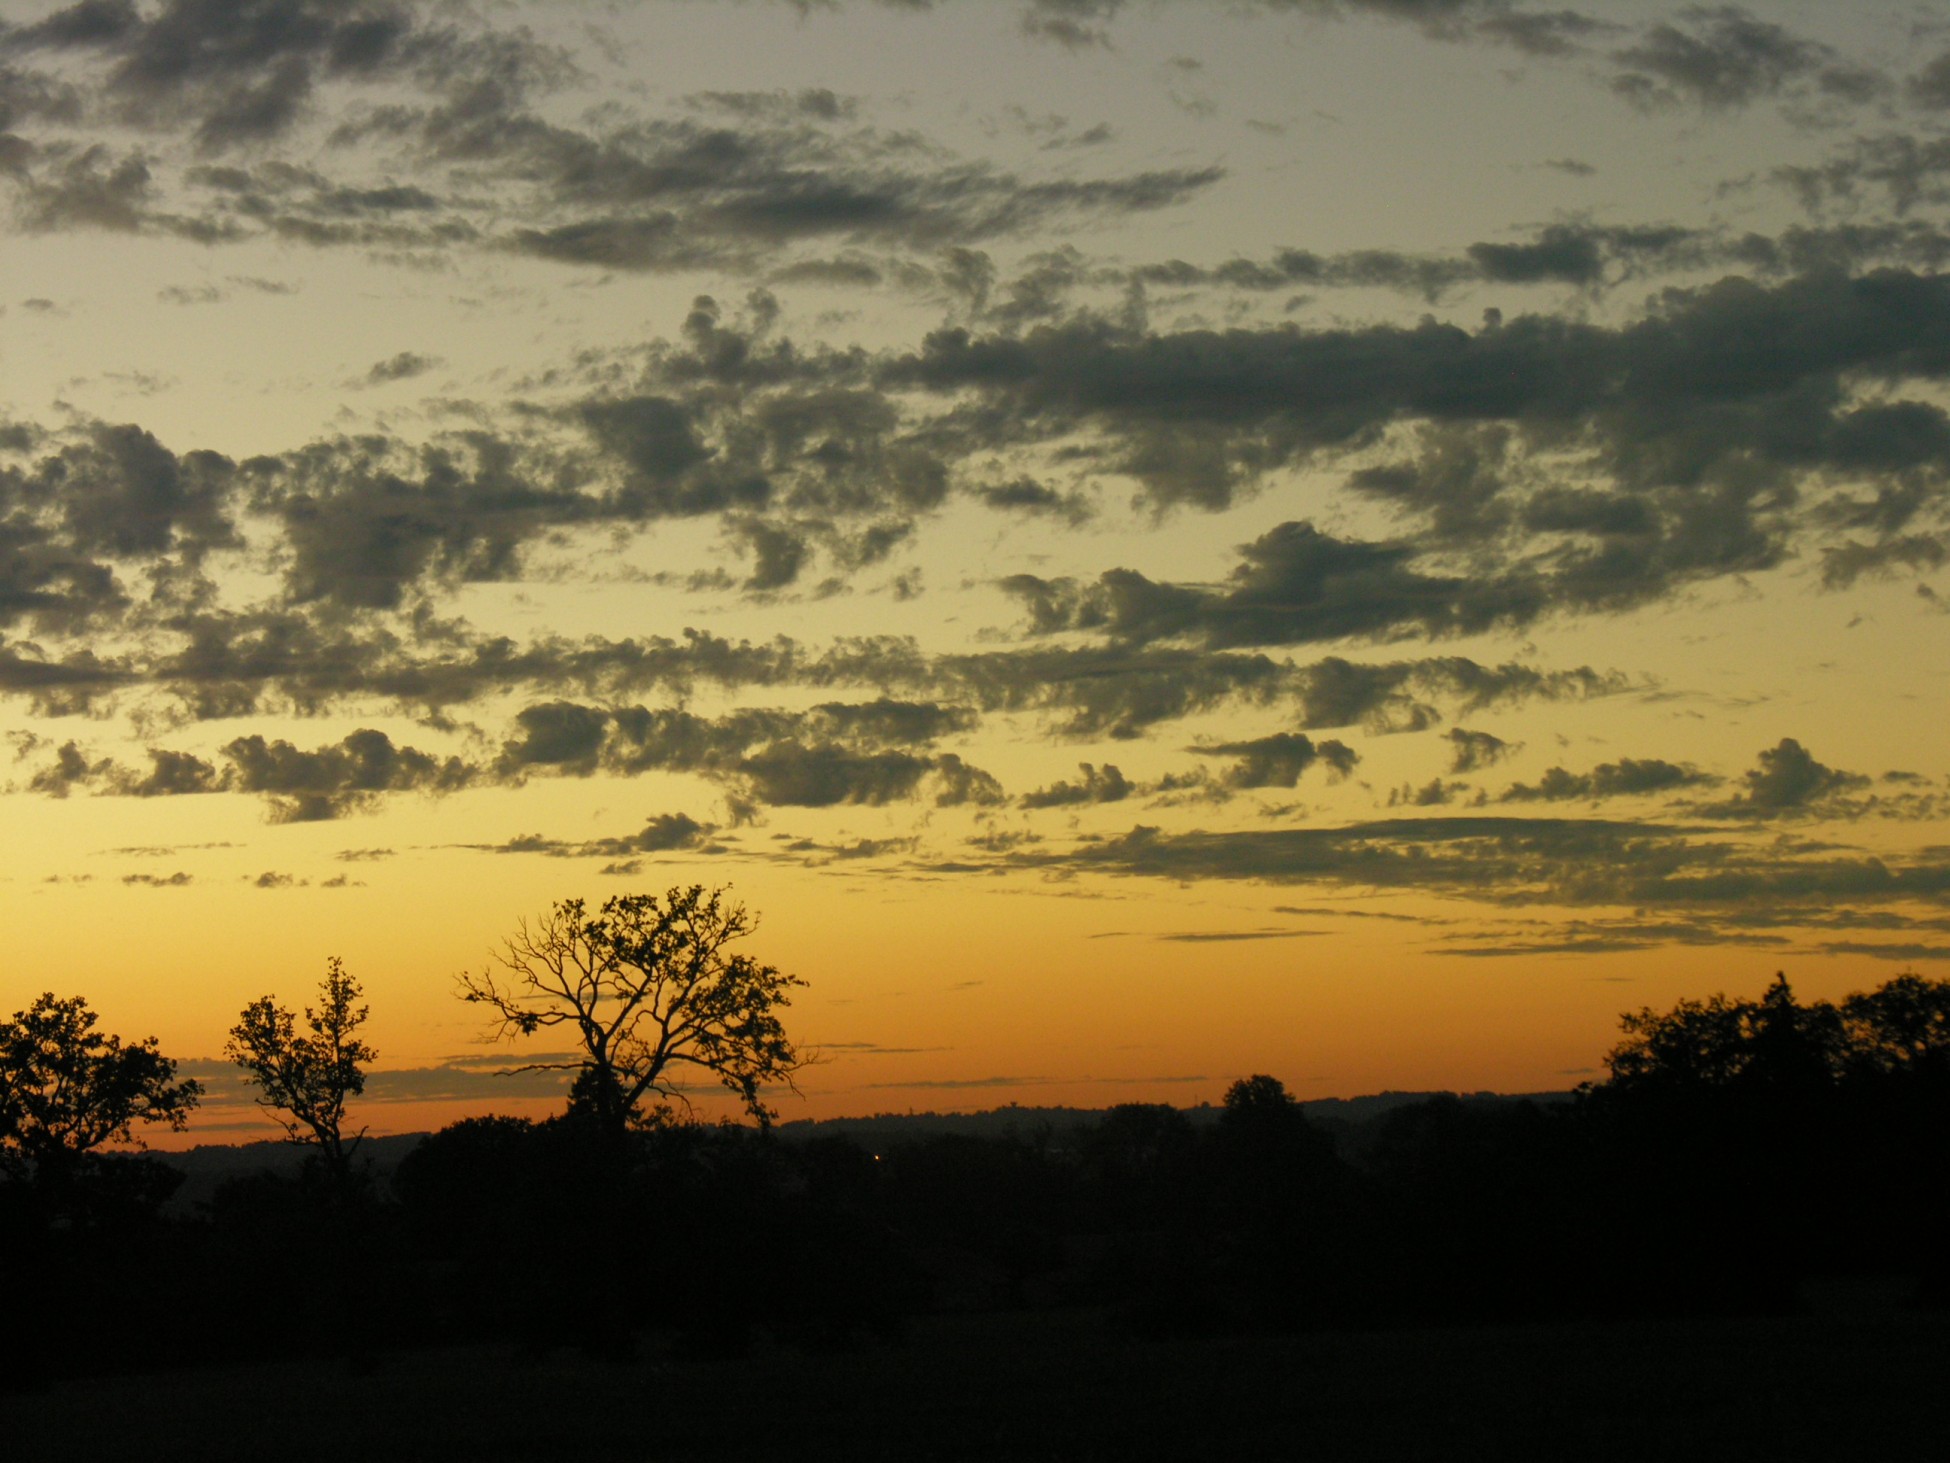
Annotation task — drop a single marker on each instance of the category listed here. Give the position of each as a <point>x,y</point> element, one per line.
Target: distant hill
<point>1337,1115</point>
<point>209,1165</point>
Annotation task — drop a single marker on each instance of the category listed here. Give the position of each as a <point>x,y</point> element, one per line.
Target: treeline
<point>1736,1152</point>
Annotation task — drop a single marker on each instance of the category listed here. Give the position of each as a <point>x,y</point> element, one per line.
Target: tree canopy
<point>67,1089</point>
<point>647,984</point>
<point>305,1080</point>
<point>1900,1029</point>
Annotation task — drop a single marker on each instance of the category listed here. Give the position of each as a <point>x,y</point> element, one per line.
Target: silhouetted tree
<point>1723,1044</point>
<point>67,1089</point>
<point>1901,1028</point>
<point>1263,1125</point>
<point>305,1080</point>
<point>1816,1130</point>
<point>646,984</point>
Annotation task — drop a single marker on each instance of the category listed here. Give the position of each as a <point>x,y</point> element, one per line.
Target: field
<point>1857,1382</point>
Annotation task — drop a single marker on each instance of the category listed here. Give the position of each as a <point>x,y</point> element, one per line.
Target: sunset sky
<point>1151,540</point>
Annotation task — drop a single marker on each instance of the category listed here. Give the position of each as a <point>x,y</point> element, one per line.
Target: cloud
<point>559,734</point>
<point>1397,696</point>
<point>1537,466</point>
<point>1582,255</point>
<point>331,781</point>
<point>1602,467</point>
<point>1279,760</point>
<point>1787,782</point>
<point>1295,585</point>
<point>794,774</point>
<point>364,520</point>
<point>1228,937</point>
<point>663,833</point>
<point>870,752</point>
<point>1719,58</point>
<point>961,785</point>
<point>1627,777</point>
<point>172,774</point>
<point>1096,785</point>
<point>402,367</point>
<point>1433,794</point>
<point>1520,862</point>
<point>1072,24</point>
<point>111,494</point>
<point>69,769</point>
<point>1471,751</point>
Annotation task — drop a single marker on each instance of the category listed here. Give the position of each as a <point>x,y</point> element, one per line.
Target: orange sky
<point>1150,543</point>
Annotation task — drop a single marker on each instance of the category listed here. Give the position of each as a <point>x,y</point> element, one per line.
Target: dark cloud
<point>1719,58</point>
<point>1228,937</point>
<point>119,493</point>
<point>1072,24</point>
<point>1907,169</point>
<point>1472,751</point>
<point>664,833</point>
<point>89,188</point>
<point>1627,777</point>
<point>1279,760</point>
<point>1400,695</point>
<point>1096,785</point>
<point>1788,782</point>
<point>1930,87</point>
<point>728,180</point>
<point>71,768</point>
<point>402,367</point>
<point>960,784</point>
<point>365,520</point>
<point>1539,466</point>
<point>1295,585</point>
<point>1026,495</point>
<point>52,587</point>
<point>232,71</point>
<point>1586,256</point>
<point>1559,466</point>
<point>1433,794</point>
<point>1844,563</point>
<point>173,774</point>
<point>331,781</point>
<point>1888,950</point>
<point>59,687</point>
<point>819,775</point>
<point>559,734</point>
<point>837,752</point>
<point>1608,937</point>
<point>1517,862</point>
<point>230,663</point>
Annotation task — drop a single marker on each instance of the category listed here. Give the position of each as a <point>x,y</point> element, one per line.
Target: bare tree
<point>304,1081</point>
<point>647,985</point>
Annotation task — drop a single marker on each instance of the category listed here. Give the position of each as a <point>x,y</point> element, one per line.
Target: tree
<point>1774,1045</point>
<point>305,1081</point>
<point>1901,1028</point>
<point>67,1089</point>
<point>646,985</point>
<point>1262,1124</point>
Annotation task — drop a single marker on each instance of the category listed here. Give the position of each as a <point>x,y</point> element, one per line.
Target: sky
<point>1148,541</point>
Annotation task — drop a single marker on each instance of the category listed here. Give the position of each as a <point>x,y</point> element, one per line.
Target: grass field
<point>1066,1386</point>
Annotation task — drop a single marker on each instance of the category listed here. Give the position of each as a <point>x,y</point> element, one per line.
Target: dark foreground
<point>1856,1383</point>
